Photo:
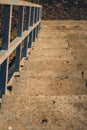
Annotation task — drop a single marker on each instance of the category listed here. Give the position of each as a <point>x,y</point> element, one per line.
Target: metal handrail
<point>32,27</point>
<point>19,3</point>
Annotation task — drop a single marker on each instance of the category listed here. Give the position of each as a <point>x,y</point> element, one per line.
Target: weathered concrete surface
<point>51,93</point>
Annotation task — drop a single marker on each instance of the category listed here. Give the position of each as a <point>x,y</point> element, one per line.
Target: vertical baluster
<point>39,19</point>
<point>32,16</point>
<point>34,28</point>
<point>20,31</point>
<point>37,14</point>
<point>37,31</point>
<point>30,39</point>
<point>20,21</point>
<point>18,58</point>
<point>40,16</point>
<point>25,47</point>
<point>3,77</point>
<point>34,35</point>
<point>41,13</point>
<point>36,21</point>
<point>6,29</point>
<point>27,24</point>
<point>31,24</point>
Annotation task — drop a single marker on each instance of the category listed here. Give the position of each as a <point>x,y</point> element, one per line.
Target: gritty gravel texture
<point>51,92</point>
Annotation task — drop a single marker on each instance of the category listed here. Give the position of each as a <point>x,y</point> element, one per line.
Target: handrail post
<point>37,21</point>
<point>32,16</point>
<point>3,77</point>
<point>20,31</point>
<point>34,35</point>
<point>34,28</point>
<point>20,21</point>
<point>6,29</point>
<point>38,14</point>
<point>27,24</point>
<point>25,47</point>
<point>30,39</point>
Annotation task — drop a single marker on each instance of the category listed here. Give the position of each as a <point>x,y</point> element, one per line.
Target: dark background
<point>63,9</point>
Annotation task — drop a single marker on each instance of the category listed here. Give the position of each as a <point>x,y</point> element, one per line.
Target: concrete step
<point>49,65</point>
<point>11,126</point>
<point>52,52</point>
<point>50,83</point>
<point>46,57</point>
<point>51,93</point>
<point>44,112</point>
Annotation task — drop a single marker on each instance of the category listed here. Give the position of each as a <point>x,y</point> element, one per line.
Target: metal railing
<point>27,36</point>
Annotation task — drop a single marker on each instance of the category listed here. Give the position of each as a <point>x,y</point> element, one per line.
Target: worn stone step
<point>53,51</point>
<point>44,58</point>
<point>47,111</point>
<point>11,126</point>
<point>49,88</point>
<point>49,65</point>
<point>52,74</point>
<point>50,83</point>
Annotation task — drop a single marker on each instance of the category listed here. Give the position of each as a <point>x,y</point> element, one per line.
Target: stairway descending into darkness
<point>51,92</point>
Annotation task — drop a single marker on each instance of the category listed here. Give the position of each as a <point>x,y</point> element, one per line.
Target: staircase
<point>51,92</point>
